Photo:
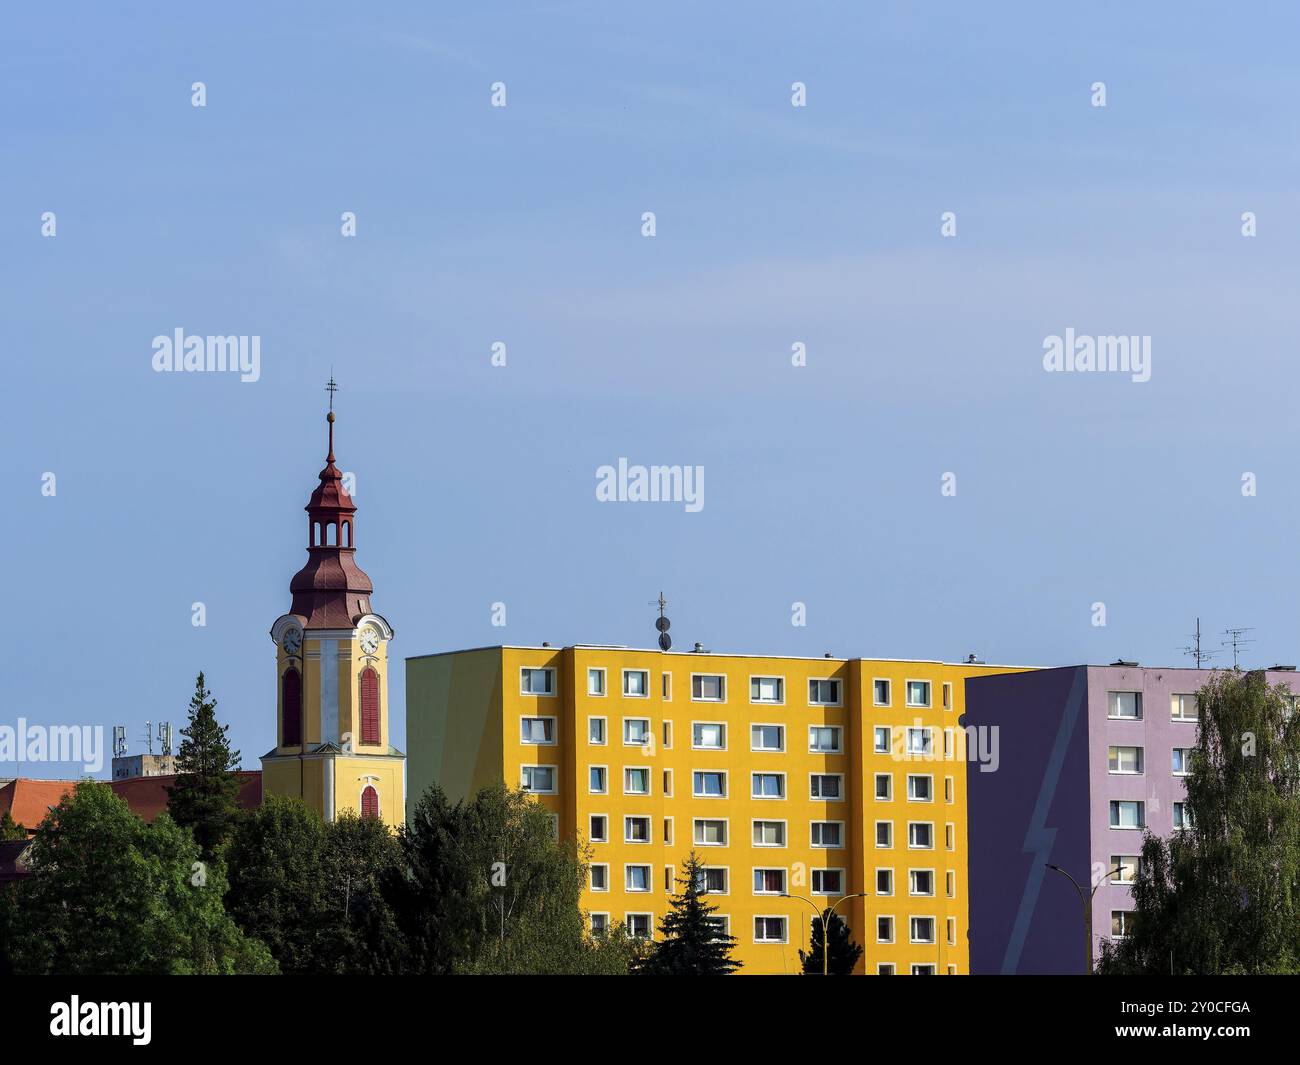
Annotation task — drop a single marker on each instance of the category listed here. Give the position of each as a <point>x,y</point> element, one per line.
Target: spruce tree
<point>206,795</point>
<point>691,942</point>
<point>844,952</point>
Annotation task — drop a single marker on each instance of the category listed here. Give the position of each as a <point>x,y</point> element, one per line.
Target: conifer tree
<point>844,951</point>
<point>691,941</point>
<point>206,795</point>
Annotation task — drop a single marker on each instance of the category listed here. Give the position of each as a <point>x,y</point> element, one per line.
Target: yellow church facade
<point>333,746</point>
<point>800,781</point>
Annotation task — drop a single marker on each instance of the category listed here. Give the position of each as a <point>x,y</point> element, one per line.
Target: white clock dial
<point>292,641</point>
<point>369,640</point>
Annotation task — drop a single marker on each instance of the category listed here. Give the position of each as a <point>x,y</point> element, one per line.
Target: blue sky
<point>522,224</point>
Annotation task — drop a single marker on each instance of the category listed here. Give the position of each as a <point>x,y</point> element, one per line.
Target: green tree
<point>10,829</point>
<point>691,942</point>
<point>844,951</point>
<point>1223,895</point>
<point>109,894</point>
<point>362,856</point>
<point>205,798</point>
<point>485,888</point>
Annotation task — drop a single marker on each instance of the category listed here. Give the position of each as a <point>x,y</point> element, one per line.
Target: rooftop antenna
<point>1194,650</point>
<point>119,741</point>
<point>165,735</point>
<point>1236,640</point>
<point>148,735</point>
<point>663,625</point>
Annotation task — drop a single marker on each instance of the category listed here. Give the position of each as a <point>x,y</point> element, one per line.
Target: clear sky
<point>522,224</point>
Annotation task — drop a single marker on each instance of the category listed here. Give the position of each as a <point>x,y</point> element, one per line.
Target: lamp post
<point>826,916</point>
<point>1087,902</point>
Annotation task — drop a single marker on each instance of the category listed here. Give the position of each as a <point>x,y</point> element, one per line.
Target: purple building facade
<point>1088,756</point>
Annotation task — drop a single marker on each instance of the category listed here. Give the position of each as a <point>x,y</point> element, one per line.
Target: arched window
<point>369,802</point>
<point>291,699</point>
<point>369,706</point>
<point>347,534</point>
<point>331,535</point>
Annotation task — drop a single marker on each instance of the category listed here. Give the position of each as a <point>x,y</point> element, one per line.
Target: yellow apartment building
<point>811,777</point>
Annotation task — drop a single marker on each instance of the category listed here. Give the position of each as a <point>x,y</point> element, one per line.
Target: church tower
<point>333,748</point>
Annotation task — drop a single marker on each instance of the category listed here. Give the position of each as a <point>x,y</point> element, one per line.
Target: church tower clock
<point>333,748</point>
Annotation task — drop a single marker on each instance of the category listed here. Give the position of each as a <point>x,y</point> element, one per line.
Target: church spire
<point>331,591</point>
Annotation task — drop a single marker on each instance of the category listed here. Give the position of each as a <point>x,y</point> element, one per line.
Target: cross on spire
<point>331,388</point>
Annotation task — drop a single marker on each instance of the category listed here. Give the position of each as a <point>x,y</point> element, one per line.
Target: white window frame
<point>876,881</point>
<point>911,884</point>
<point>649,732</point>
<point>590,789</point>
<point>555,779</point>
<point>723,730</point>
<point>825,846</point>
<point>836,730</point>
<point>649,828</point>
<point>875,787</point>
<point>634,695</point>
<point>823,798</point>
<point>768,773</point>
<point>767,724</point>
<point>649,780</point>
<point>907,694</point>
<point>549,670</point>
<point>875,835</point>
<point>1138,705</point>
<point>1140,758</point>
<point>604,731</point>
<point>1187,761</point>
<point>875,739</point>
<point>893,928</point>
<point>537,717</point>
<point>1180,716</point>
<point>929,778</point>
<point>702,699</point>
<point>591,882</point>
<point>785,880</point>
<point>889,691</point>
<point>1119,804</point>
<point>839,691</point>
<point>593,838</point>
<point>934,929</point>
<point>766,702</point>
<point>726,831</point>
<point>785,925</point>
<point>649,920</point>
<point>725,870</point>
<point>917,847</point>
<point>726,785</point>
<point>927,736</point>
<point>753,833</point>
<point>604,682</point>
<point>649,880</point>
<point>812,878</point>
<point>591,922</point>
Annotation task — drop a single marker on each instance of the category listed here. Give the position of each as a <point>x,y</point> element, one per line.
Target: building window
<point>636,877</point>
<point>536,681</point>
<point>708,688</point>
<point>921,929</point>
<point>369,802</point>
<point>668,831</point>
<point>947,695</point>
<point>826,833</point>
<point>636,683</point>
<point>920,788</point>
<point>884,929</point>
<point>885,968</point>
<point>636,731</point>
<point>882,739</point>
<point>638,925</point>
<point>1121,923</point>
<point>947,789</point>
<point>667,687</point>
<point>596,731</point>
<point>1182,759</point>
<point>291,686</point>
<point>918,693</point>
<point>769,929</point>
<point>1127,866</point>
<point>826,786</point>
<point>1124,706</point>
<point>767,785</point>
<point>537,778</point>
<point>599,828</point>
<point>710,832</point>
<point>884,881</point>
<point>667,729</point>
<point>636,780</point>
<point>949,835</point>
<point>920,741</point>
<point>767,737</point>
<point>923,968</point>
<point>1184,708</point>
<point>598,780</point>
<point>920,882</point>
<point>668,783</point>
<point>920,835</point>
<point>713,880</point>
<point>369,706</point>
<point>769,833</point>
<point>824,693</point>
<point>636,830</point>
<point>769,881</point>
<point>884,787</point>
<point>880,692</point>
<point>1127,814</point>
<point>828,881</point>
<point>600,878</point>
<point>884,833</point>
<point>599,923</point>
<point>709,784</point>
<point>708,736</point>
<point>1126,760</point>
<point>824,739</point>
<point>766,690</point>
<point>1182,817</point>
<point>595,682</point>
<point>537,730</point>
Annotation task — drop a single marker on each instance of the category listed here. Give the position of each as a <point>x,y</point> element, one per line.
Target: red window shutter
<point>292,700</point>
<point>369,802</point>
<point>369,706</point>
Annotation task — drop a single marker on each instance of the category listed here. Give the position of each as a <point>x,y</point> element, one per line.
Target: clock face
<point>369,640</point>
<point>291,641</point>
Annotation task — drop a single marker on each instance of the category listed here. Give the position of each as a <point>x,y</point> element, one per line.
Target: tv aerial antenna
<point>1237,639</point>
<point>1194,650</point>
<point>663,624</point>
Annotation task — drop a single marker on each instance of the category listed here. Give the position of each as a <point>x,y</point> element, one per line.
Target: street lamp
<point>826,916</point>
<point>1087,901</point>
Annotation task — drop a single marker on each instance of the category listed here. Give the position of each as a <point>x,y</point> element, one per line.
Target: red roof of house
<point>28,801</point>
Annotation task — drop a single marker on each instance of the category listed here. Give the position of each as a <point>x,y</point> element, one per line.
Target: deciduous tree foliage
<point>111,894</point>
<point>1223,896</point>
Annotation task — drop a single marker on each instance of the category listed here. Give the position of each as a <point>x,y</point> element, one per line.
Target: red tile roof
<point>28,801</point>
